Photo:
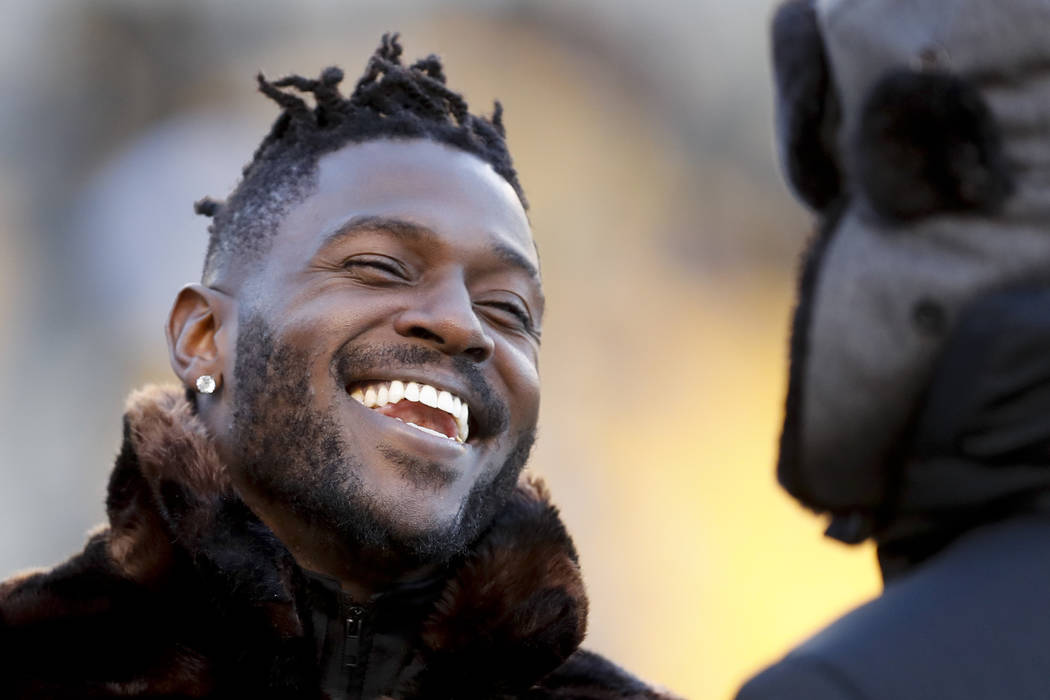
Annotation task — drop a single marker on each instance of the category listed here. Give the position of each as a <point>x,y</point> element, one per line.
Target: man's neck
<point>360,574</point>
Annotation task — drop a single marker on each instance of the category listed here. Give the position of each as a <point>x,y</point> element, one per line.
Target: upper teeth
<point>376,395</point>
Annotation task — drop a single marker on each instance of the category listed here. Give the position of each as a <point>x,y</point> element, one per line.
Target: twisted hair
<point>390,100</point>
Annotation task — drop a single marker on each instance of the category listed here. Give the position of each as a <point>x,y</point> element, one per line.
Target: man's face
<point>410,273</point>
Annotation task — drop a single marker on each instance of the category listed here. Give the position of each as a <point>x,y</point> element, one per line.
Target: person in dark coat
<point>919,392</point>
<point>331,504</point>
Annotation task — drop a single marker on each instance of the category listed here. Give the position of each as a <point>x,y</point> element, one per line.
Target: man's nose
<point>444,316</point>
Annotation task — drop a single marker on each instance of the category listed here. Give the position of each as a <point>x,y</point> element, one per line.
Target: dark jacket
<point>969,623</point>
<point>187,594</point>
<point>964,545</point>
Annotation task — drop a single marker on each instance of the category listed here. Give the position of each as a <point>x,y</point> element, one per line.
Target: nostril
<point>452,339</point>
<point>476,354</point>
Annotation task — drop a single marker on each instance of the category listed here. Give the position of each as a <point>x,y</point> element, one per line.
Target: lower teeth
<point>429,431</point>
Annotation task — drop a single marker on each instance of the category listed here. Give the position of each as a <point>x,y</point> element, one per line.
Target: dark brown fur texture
<point>186,594</point>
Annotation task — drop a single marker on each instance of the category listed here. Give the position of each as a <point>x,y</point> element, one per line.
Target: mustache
<point>491,413</point>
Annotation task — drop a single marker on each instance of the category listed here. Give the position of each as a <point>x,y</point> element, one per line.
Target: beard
<point>296,456</point>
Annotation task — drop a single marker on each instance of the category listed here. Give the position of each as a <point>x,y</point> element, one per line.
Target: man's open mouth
<point>432,410</point>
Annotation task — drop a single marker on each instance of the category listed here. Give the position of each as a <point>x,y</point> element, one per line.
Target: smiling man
<point>333,505</point>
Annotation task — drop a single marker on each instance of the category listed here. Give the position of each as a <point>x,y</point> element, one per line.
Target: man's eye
<point>518,312</point>
<point>376,266</point>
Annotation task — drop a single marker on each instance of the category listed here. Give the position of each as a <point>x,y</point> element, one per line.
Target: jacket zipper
<point>352,644</point>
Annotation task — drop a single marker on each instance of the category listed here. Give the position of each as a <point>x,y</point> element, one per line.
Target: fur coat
<point>186,594</point>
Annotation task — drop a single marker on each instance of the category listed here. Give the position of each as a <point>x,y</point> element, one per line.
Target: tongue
<point>423,415</point>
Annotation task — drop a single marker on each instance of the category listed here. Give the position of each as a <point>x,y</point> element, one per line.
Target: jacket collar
<point>513,609</point>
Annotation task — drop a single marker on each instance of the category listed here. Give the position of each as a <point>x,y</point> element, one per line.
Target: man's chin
<point>408,532</point>
<point>413,482</point>
<point>431,513</point>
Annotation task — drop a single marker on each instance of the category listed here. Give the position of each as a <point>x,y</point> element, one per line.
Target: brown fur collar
<point>514,610</point>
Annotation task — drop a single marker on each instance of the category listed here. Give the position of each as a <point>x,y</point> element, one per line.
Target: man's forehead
<point>424,185</point>
<point>388,170</point>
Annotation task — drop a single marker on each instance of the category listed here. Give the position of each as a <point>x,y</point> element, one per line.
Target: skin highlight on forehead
<point>386,172</point>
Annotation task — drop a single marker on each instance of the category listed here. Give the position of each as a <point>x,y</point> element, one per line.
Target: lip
<point>404,435</point>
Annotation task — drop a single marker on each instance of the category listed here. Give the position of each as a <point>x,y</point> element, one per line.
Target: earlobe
<point>197,332</point>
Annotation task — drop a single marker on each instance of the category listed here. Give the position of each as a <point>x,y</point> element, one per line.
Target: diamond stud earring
<point>206,384</point>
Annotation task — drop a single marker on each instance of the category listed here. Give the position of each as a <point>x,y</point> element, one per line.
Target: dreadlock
<point>389,101</point>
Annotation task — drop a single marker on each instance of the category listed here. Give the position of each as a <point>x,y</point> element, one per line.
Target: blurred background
<point>642,132</point>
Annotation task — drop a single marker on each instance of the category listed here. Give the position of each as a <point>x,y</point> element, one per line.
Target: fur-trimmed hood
<point>187,593</point>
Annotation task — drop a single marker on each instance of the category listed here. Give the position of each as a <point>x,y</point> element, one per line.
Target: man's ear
<point>201,330</point>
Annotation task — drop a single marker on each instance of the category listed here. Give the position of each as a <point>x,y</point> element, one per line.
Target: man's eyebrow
<point>399,228</point>
<point>511,256</point>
